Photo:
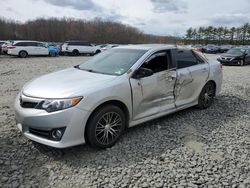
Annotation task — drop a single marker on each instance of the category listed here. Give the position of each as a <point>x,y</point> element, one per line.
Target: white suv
<point>79,47</point>
<point>26,48</point>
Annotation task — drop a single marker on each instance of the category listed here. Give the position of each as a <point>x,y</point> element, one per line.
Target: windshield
<point>114,61</point>
<point>235,51</point>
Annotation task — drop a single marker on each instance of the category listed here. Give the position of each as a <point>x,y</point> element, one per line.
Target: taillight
<point>11,47</point>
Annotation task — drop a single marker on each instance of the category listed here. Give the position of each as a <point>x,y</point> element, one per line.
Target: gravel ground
<point>191,148</point>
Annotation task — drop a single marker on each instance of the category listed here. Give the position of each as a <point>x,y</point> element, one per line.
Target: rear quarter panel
<point>216,74</point>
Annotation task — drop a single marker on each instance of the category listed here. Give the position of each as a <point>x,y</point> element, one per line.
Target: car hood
<point>66,83</point>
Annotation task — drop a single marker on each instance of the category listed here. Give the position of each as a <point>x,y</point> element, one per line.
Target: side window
<point>20,44</point>
<point>31,44</point>
<point>158,62</point>
<point>185,58</point>
<point>40,45</point>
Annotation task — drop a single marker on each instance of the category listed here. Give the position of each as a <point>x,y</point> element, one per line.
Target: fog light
<point>57,134</point>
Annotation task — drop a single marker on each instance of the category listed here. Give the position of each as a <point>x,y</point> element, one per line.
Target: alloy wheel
<point>208,95</point>
<point>108,128</point>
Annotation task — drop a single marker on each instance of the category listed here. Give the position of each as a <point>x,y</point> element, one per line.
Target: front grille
<point>28,104</point>
<point>41,133</point>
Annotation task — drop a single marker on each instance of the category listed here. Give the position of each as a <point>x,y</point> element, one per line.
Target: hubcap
<point>108,128</point>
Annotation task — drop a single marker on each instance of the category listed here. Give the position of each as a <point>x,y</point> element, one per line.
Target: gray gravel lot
<point>192,148</point>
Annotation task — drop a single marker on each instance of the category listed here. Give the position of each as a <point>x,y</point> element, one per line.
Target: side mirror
<point>142,72</point>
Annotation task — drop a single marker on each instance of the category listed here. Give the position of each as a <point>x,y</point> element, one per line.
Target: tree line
<point>219,35</point>
<point>60,30</point>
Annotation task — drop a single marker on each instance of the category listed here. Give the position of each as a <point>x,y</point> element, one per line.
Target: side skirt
<point>164,113</point>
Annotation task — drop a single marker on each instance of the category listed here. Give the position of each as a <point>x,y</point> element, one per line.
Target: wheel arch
<point>117,103</point>
<point>23,51</point>
<point>214,83</point>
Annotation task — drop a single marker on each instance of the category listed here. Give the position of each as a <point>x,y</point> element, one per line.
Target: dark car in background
<point>211,49</point>
<point>235,56</point>
<point>225,48</point>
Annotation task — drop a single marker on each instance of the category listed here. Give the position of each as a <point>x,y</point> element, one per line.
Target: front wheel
<point>206,96</point>
<point>105,126</point>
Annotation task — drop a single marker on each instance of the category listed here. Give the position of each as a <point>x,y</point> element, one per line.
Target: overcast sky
<point>163,17</point>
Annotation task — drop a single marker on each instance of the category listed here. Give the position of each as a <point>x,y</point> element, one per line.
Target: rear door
<point>42,49</point>
<point>31,48</point>
<point>154,94</point>
<point>192,75</point>
<point>87,47</point>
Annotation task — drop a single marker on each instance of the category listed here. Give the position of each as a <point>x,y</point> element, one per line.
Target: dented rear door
<point>192,75</point>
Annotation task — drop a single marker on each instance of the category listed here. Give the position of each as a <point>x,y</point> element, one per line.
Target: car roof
<point>16,41</point>
<point>147,46</point>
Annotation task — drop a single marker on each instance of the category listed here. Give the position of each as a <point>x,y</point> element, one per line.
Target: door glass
<point>158,62</point>
<point>185,58</point>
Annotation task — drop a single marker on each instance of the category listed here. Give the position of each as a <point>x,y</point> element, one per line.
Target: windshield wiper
<point>77,66</point>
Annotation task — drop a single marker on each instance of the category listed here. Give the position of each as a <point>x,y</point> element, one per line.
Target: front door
<point>155,93</point>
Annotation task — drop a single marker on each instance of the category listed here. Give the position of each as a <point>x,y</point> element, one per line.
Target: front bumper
<point>73,119</point>
<point>232,62</point>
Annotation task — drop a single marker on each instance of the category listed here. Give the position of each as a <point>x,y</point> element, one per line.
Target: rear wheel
<point>206,96</point>
<point>75,53</point>
<point>23,54</point>
<point>105,126</point>
<point>97,51</point>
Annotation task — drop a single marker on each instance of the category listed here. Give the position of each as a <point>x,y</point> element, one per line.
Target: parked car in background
<point>1,43</point>
<point>54,49</point>
<point>107,47</point>
<point>235,56</point>
<point>211,48</point>
<point>28,48</point>
<point>197,47</point>
<point>225,48</point>
<point>79,47</point>
<point>119,88</point>
<point>5,46</point>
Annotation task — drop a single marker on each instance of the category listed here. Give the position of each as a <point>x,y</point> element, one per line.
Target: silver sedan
<point>95,101</point>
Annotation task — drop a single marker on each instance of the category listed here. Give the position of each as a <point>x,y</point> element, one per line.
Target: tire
<point>206,96</point>
<point>242,63</point>
<point>75,53</point>
<point>105,126</point>
<point>52,54</point>
<point>23,54</point>
<point>97,52</point>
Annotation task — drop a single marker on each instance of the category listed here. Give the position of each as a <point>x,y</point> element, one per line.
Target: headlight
<point>52,105</point>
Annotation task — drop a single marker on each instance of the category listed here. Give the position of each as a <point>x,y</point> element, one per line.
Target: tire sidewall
<point>95,117</point>
<point>75,53</point>
<point>23,56</point>
<point>201,104</point>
